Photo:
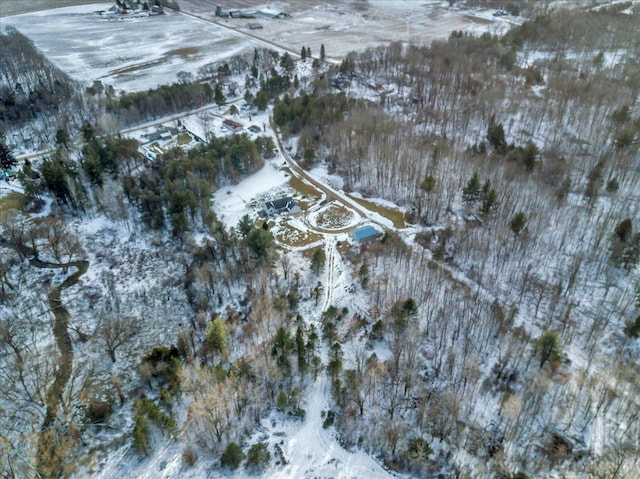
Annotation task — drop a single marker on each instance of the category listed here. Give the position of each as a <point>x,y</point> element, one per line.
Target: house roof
<point>280,203</point>
<point>232,124</point>
<point>271,13</point>
<point>365,232</point>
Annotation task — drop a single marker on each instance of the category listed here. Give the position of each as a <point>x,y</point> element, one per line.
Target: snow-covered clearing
<point>315,452</point>
<point>233,202</point>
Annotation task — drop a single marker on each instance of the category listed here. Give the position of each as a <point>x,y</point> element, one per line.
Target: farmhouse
<point>163,134</point>
<point>232,126</point>
<point>283,205</point>
<point>365,233</point>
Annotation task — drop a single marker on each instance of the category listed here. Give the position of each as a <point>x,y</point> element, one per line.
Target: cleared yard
<point>287,235</point>
<point>302,187</point>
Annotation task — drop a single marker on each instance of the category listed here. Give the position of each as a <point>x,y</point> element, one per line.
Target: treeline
<point>142,106</point>
<point>68,180</point>
<point>569,29</point>
<point>174,191</point>
<point>189,94</point>
<point>308,111</point>
<point>310,116</point>
<point>273,79</point>
<point>29,84</point>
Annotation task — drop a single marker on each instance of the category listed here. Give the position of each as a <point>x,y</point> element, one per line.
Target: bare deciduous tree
<point>113,333</point>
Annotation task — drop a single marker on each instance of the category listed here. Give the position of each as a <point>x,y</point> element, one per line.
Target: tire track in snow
<point>329,252</point>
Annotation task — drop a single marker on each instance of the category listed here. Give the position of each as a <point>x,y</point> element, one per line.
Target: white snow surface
<point>135,54</point>
<point>315,452</point>
<point>233,202</point>
<point>131,54</point>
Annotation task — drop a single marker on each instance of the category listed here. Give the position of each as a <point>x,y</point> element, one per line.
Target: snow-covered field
<point>344,26</point>
<point>136,54</point>
<point>129,54</point>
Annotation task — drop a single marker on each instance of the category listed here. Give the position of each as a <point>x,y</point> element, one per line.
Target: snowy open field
<point>139,53</point>
<point>344,26</point>
<point>132,54</point>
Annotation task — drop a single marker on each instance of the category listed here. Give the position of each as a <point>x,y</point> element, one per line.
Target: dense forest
<point>31,88</point>
<point>534,137</point>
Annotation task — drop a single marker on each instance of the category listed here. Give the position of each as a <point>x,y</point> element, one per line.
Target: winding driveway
<point>330,193</point>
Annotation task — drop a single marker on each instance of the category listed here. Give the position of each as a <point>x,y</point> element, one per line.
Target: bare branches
<point>113,333</point>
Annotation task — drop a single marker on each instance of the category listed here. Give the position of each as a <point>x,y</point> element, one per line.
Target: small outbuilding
<point>232,126</point>
<point>365,233</point>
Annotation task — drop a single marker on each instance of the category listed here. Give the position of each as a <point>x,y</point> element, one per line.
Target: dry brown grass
<point>396,216</point>
<point>13,201</point>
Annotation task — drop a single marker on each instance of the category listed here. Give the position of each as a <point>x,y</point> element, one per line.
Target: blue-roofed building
<point>365,233</point>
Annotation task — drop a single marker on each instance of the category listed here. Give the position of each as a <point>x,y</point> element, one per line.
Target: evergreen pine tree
<point>489,201</point>
<point>7,160</point>
<point>518,223</point>
<point>495,135</point>
<point>428,184</point>
<point>216,339</point>
<point>258,457</point>
<point>471,192</point>
<point>548,348</point>
<point>301,351</point>
<point>232,456</point>
<point>218,95</point>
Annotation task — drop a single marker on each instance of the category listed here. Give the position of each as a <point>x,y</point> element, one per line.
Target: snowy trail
<point>598,435</point>
<point>330,260</point>
<point>312,450</point>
